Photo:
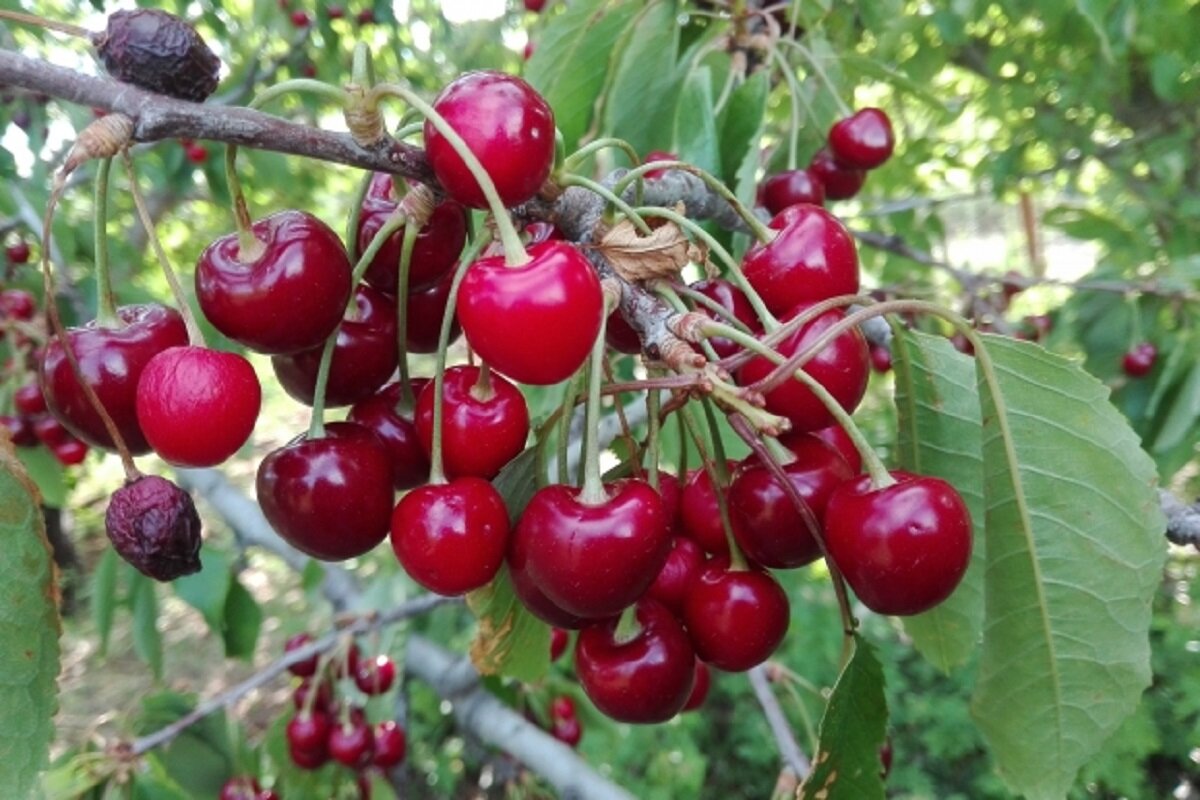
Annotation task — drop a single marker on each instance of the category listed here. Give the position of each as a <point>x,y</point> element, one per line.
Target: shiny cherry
<point>391,744</point>
<point>398,432</point>
<point>811,259</point>
<point>18,252</point>
<point>70,452</point>
<point>375,675</point>
<point>863,140</point>
<point>836,437</point>
<point>700,515</point>
<point>29,400</point>
<point>49,431</point>
<point>330,497</point>
<point>671,490</point>
<point>735,618</point>
<point>643,677</point>
<point>559,639</point>
<point>699,687</point>
<point>506,124</point>
<point>483,426</point>
<point>308,759</point>
<point>423,316</point>
<point>308,731</point>
<point>1139,360</point>
<point>731,299</point>
<point>306,668</point>
<point>196,406</point>
<point>562,707</point>
<point>791,187</point>
<point>841,182</point>
<point>682,565</point>
<point>658,155</point>
<point>535,323</point>
<point>352,742</point>
<point>902,548</point>
<point>282,296</point>
<point>535,600</point>
<point>451,537</point>
<point>568,731</point>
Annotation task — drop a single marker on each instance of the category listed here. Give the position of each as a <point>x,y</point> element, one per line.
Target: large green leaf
<point>104,596</point>
<point>937,406</point>
<point>1075,551</point>
<point>695,123</point>
<point>147,641</point>
<point>640,103</point>
<point>847,765</point>
<point>29,630</point>
<point>741,124</point>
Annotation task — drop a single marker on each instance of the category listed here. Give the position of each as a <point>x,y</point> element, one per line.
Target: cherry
<point>352,743</point>
<point>301,669</point>
<point>111,360</point>
<point>17,304</point>
<point>642,677</point>
<point>735,618</point>
<point>364,357</point>
<point>506,124</point>
<point>902,548</point>
<point>592,560</point>
<point>309,732</point>
<point>483,427</point>
<point>301,19</point>
<point>538,604</point>
<point>881,358</point>
<point>196,153</point>
<point>621,336</point>
<point>330,497</point>
<point>283,298</point>
<point>789,188</point>
<point>772,531</point>
<point>451,537</point>
<point>658,155</point>
<point>840,366</point>
<point>376,675</point>
<point>436,249</point>
<point>811,259</point>
<point>18,253</point>
<point>423,316</point>
<point>377,413</point>
<point>682,565</point>
<point>308,759</point>
<point>559,639</point>
<point>1139,360</point>
<point>562,707</point>
<point>240,787</point>
<point>840,182</point>
<point>29,400</point>
<point>391,744</point>
<point>196,406</point>
<point>567,731</point>
<point>20,430</point>
<point>70,452</point>
<point>699,514</point>
<point>323,701</point>
<point>365,17</point>
<point>49,431</point>
<point>535,6</point>
<point>535,323</point>
<point>732,299</point>
<point>699,687</point>
<point>540,230</point>
<point>864,140</point>
<point>335,12</point>
<point>885,756</point>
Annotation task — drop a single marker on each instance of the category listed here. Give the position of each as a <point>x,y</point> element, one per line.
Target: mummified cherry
<point>398,432</point>
<point>735,618</point>
<point>645,676</point>
<point>484,426</point>
<point>841,182</point>
<point>902,548</point>
<point>391,744</point>
<point>158,51</point>
<point>864,140</point>
<point>733,300</point>
<point>791,187</point>
<point>153,525</point>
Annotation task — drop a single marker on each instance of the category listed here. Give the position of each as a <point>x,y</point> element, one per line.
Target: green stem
<point>653,406</point>
<point>756,226</point>
<point>356,204</point>
<point>701,299</point>
<point>628,627</point>
<point>593,492</point>
<point>794,88</point>
<point>407,243</point>
<point>566,413</point>
<point>106,313</point>
<point>362,69</point>
<point>607,194</point>
<point>823,75</point>
<point>795,323</point>
<point>572,162</point>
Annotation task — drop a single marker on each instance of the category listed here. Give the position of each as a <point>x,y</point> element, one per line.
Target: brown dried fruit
<point>153,525</point>
<point>159,52</point>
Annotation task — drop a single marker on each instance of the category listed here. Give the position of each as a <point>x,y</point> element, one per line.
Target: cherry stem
<point>823,76</point>
<point>593,492</point>
<point>653,450</point>
<point>362,69</point>
<point>407,242</point>
<point>789,77</point>
<point>780,374</point>
<point>626,432</point>
<point>514,249</point>
<point>483,389</point>
<point>613,199</point>
<point>195,335</point>
<point>573,161</point>
<point>352,220</point>
<point>106,306</point>
<point>628,628</point>
<point>701,299</point>
<point>761,232</point>
<point>718,476</point>
<point>48,24</point>
<point>566,416</point>
<point>683,447</point>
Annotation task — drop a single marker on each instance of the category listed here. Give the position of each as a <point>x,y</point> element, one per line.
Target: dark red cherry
<point>17,304</point>
<point>302,695</point>
<point>29,400</point>
<point>699,514</point>
<point>196,406</point>
<point>423,318</point>
<point>699,687</point>
<point>111,360</point>
<point>506,124</point>
<point>352,742</point>
<point>885,756</point>
<point>309,732</point>
<point>735,618</point>
<point>791,187</point>
<point>682,564</point>
<point>646,677</point>
<point>1139,360</point>
<point>49,431</point>
<point>398,432</point>
<point>567,731</point>
<point>284,298</point>
<point>18,252</point>
<point>562,707</point>
<point>841,367</point>
<point>70,452</point>
<point>864,140</point>
<point>902,548</point>
<point>535,323</point>
<point>301,19</point>
<point>329,497</point>
<point>391,744</point>
<point>811,259</point>
<point>436,249</point>
<point>364,357</point>
<point>771,531</point>
<point>840,182</point>
<point>451,537</point>
<point>559,639</point>
<point>375,675</point>
<point>620,335</point>
<point>483,427</point>
<point>308,759</point>
<point>20,430</point>
<point>731,299</point>
<point>535,600</point>
<point>592,560</point>
<point>836,437</point>
<point>881,358</point>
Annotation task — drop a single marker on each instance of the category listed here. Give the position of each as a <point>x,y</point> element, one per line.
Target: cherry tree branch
<point>1183,520</point>
<point>793,757</point>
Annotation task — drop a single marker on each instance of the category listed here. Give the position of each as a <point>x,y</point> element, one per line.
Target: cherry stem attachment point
<point>106,309</point>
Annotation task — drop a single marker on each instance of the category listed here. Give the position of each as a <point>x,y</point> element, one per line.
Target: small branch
<point>1183,520</point>
<point>794,758</point>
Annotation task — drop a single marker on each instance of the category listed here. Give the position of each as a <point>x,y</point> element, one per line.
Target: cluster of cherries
<point>302,19</point>
<point>245,787</point>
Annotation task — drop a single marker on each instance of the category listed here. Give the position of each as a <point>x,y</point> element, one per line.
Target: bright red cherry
<point>1140,359</point>
<point>70,452</point>
<point>391,744</point>
<point>902,548</point>
<point>29,400</point>
<point>568,731</point>
<point>196,153</point>
<point>771,531</point>
<point>881,358</point>
<point>535,323</point>
<point>375,675</point>
<point>682,565</point>
<point>309,732</point>
<point>864,140</point>
<point>423,316</point>
<point>735,618</point>
<point>592,560</point>
<point>559,639</point>
<point>329,497</point>
<point>731,299</point>
<point>699,687</point>
<point>811,259</point>
<point>284,297</point>
<point>301,19</point>
<point>841,367</point>
<point>791,187</point>
<point>18,253</point>
<point>196,406</point>
<point>483,427</point>
<point>352,742</point>
<point>111,360</point>
<point>451,537</point>
<point>644,678</point>
<point>840,182</point>
<point>699,514</point>
<point>398,432</point>
<point>506,124</point>
<point>17,304</point>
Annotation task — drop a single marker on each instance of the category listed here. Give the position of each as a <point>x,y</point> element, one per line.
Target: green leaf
<point>695,122</point>
<point>847,765</point>
<point>741,124</point>
<point>199,759</point>
<point>517,482</point>
<point>72,778</point>
<point>104,596</point>
<point>207,590</point>
<point>640,105</point>
<point>29,631</point>
<point>1179,421</point>
<point>510,640</point>
<point>243,620</point>
<point>940,434</point>
<point>147,641</point>
<point>47,473</point>
<point>1075,551</point>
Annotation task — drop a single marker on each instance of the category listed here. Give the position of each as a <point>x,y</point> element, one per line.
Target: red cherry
<point>323,701</point>
<point>70,452</point>
<point>49,431</point>
<point>309,732</point>
<point>541,230</point>
<point>111,360</point>
<point>29,400</point>
<point>699,514</point>
<point>284,299</point>
<point>699,687</point>
<point>482,428</point>
<point>735,618</point>
<point>840,366</point>
<point>535,6</point>
<point>840,182</point>
<point>881,358</point>
<point>307,667</point>
<point>658,155</point>
<point>308,759</point>
<point>240,787</point>
<point>335,12</point>
<point>562,707</point>
<point>836,437</point>
<point>811,259</point>
<point>864,140</point>
<point>451,537</point>
<point>670,490</point>
<point>506,124</point>
<point>682,565</point>
<point>352,742</point>
<point>391,743</point>
<point>196,406</point>
<point>903,548</point>
<point>376,675</point>
<point>646,678</point>
<point>620,335</point>
<point>535,323</point>
<point>20,430</point>
<point>535,600</point>
<point>365,17</point>
<point>301,19</point>
<point>592,560</point>
<point>17,304</point>
<point>308,69</point>
<point>329,497</point>
<point>885,756</point>
<point>791,187</point>
<point>567,731</point>
<point>732,299</point>
<point>196,153</point>
<point>559,639</point>
<point>1140,359</point>
<point>18,253</point>
<point>423,316</point>
<point>377,413</point>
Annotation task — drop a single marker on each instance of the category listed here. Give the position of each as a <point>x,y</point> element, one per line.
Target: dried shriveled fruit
<point>159,52</point>
<point>153,525</point>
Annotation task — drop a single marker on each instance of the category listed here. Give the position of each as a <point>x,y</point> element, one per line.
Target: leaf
<point>940,434</point>
<point>147,641</point>
<point>695,122</point>
<point>510,641</point>
<point>104,596</point>
<point>641,100</point>
<point>1075,551</point>
<point>47,473</point>
<point>201,757</point>
<point>847,764</point>
<point>29,630</point>
<point>207,590</point>
<point>517,482</point>
<point>662,254</point>
<point>1179,420</point>
<point>741,124</point>
<point>243,620</point>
